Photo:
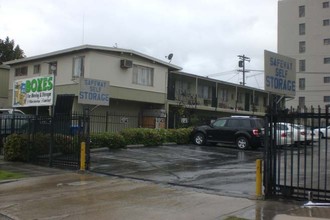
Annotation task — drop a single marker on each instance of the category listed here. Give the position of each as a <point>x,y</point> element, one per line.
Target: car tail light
<point>256,132</point>
<point>302,133</point>
<point>284,134</point>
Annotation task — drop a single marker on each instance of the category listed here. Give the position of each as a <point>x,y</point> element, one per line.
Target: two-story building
<point>155,90</point>
<point>4,85</point>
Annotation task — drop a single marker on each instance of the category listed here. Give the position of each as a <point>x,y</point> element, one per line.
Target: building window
<point>302,83</point>
<point>301,11</point>
<point>204,92</point>
<point>256,100</point>
<point>326,79</point>
<point>265,101</point>
<point>302,47</point>
<point>52,69</point>
<point>143,75</point>
<point>78,67</point>
<point>21,71</point>
<point>239,97</point>
<point>223,95</point>
<point>326,98</point>
<point>326,60</point>
<point>301,29</point>
<point>301,102</point>
<point>326,41</point>
<point>36,69</point>
<point>326,22</point>
<point>302,66</point>
<point>326,4</point>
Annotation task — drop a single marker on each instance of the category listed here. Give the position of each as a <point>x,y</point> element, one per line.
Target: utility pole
<point>241,63</point>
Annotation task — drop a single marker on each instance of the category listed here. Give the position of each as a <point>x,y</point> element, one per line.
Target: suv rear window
<point>234,123</point>
<point>259,123</point>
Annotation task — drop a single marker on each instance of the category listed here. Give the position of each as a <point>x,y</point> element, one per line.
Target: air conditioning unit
<point>126,64</point>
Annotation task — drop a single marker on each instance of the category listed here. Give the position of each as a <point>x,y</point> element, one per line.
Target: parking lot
<point>219,169</point>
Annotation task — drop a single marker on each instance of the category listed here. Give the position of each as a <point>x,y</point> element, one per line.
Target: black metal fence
<point>296,159</point>
<point>55,141</point>
<point>51,141</point>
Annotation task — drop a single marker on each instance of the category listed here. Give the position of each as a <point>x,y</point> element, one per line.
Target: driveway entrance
<point>223,170</point>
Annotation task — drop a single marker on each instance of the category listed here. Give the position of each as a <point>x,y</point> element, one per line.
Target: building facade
<point>4,85</point>
<point>304,34</point>
<point>157,92</point>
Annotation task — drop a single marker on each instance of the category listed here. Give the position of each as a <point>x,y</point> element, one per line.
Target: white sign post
<point>94,92</point>
<point>280,74</point>
<point>37,91</point>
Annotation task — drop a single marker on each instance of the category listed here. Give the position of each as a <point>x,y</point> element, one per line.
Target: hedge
<point>19,147</point>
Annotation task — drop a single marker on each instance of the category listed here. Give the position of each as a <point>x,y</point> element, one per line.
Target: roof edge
<point>92,47</point>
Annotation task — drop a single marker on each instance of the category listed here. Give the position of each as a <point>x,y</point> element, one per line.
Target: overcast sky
<point>205,36</point>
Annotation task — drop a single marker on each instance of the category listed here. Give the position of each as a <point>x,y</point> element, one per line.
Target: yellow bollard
<point>83,156</point>
<point>258,177</point>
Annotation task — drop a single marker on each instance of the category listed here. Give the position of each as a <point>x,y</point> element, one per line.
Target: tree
<point>8,50</point>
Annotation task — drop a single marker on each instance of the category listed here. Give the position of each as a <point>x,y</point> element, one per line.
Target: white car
<point>282,134</point>
<point>323,132</point>
<point>303,134</point>
<point>288,134</point>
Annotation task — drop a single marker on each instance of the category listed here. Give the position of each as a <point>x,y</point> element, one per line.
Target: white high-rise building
<point>304,34</point>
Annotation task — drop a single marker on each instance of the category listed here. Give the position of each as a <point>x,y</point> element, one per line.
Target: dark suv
<point>243,131</point>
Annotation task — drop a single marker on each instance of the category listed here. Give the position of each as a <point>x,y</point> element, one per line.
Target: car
<point>282,134</point>
<point>290,133</point>
<point>12,120</point>
<point>244,132</point>
<point>323,132</point>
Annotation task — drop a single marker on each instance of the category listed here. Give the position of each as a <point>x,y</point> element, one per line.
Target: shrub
<point>16,148</point>
<point>110,140</point>
<point>133,135</point>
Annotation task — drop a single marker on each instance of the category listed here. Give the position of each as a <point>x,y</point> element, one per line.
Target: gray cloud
<point>204,36</point>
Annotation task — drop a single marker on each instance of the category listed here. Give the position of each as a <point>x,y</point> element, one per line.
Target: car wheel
<point>242,143</point>
<point>321,135</point>
<point>199,139</point>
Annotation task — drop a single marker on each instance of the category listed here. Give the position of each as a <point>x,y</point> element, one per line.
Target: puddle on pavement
<point>77,183</point>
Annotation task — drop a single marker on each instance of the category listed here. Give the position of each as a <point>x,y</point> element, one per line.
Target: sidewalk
<point>48,193</point>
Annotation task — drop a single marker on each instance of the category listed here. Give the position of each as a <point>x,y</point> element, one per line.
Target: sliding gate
<point>296,170</point>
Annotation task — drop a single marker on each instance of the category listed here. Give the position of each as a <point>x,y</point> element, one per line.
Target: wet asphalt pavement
<point>222,170</point>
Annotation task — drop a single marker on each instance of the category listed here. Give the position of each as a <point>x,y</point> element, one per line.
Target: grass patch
<point>5,175</point>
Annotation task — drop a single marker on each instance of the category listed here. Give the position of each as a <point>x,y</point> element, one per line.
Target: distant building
<point>158,93</point>
<point>4,85</point>
<point>304,34</point>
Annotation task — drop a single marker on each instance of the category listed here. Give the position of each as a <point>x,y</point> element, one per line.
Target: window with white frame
<point>36,69</point>
<point>143,75</point>
<point>204,92</point>
<point>224,95</point>
<point>78,67</point>
<point>21,71</point>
